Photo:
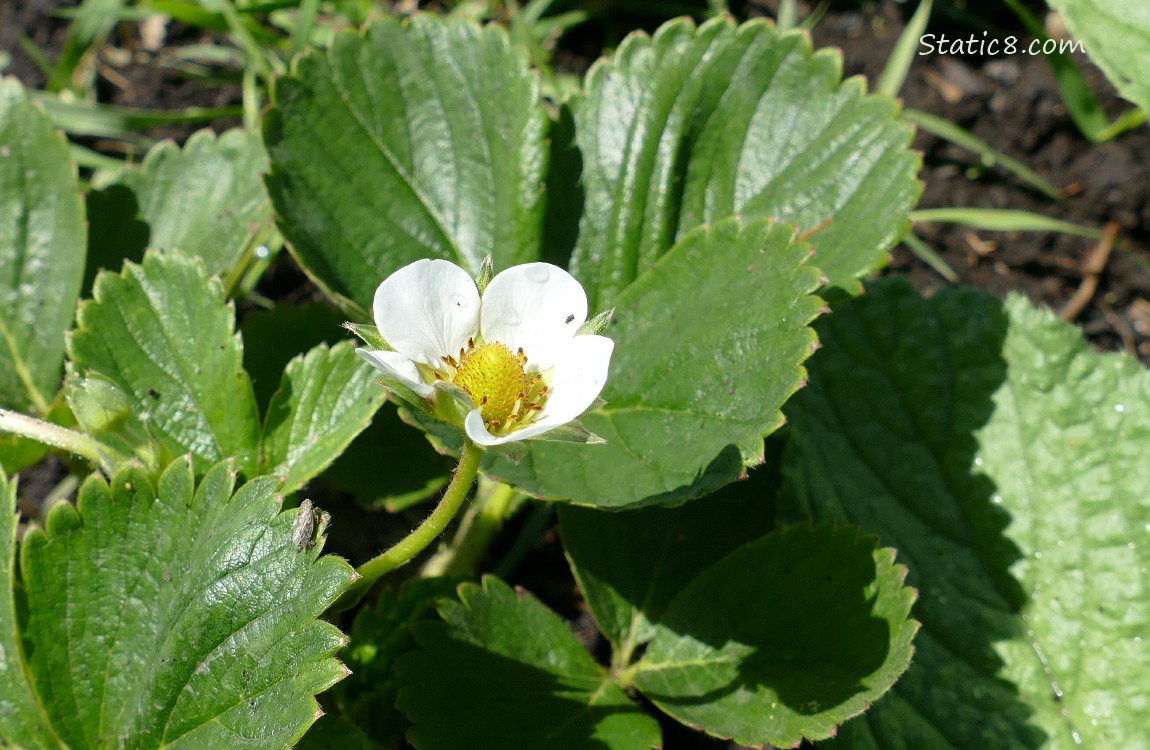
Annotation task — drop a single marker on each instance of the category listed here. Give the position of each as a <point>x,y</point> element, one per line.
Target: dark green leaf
<point>630,564</point>
<point>381,634</point>
<point>159,617</point>
<point>694,125</point>
<point>503,671</point>
<point>162,335</point>
<point>783,639</point>
<point>1006,461</point>
<point>327,397</point>
<point>41,252</point>
<point>415,139</point>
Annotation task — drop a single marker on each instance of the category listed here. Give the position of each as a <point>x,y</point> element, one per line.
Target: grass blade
<point>963,138</point>
<point>1076,94</point>
<point>902,56</point>
<point>927,255</point>
<point>1001,220</point>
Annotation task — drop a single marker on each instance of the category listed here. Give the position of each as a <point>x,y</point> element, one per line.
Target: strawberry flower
<point>513,358</point>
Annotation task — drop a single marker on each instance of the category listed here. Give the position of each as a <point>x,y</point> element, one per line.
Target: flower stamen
<point>498,384</point>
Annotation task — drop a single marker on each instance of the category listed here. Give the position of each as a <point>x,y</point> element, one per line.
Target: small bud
<point>597,324</point>
<point>486,273</point>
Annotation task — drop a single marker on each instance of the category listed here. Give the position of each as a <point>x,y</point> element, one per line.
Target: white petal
<point>536,306</point>
<point>578,378</point>
<point>476,430</point>
<point>395,365</point>
<point>427,310</point>
<point>579,374</point>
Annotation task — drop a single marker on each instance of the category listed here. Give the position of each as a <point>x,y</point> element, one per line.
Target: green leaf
<point>162,618</point>
<point>630,564</point>
<point>264,331</point>
<point>1005,460</point>
<point>162,334</point>
<point>41,252</point>
<point>504,671</point>
<point>1117,36</point>
<point>415,139</point>
<point>708,345</point>
<point>327,397</point>
<point>23,721</point>
<point>380,635</point>
<point>694,125</point>
<point>206,199</point>
<point>783,639</point>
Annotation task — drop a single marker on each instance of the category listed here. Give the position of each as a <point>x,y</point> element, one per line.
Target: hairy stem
<point>477,530</point>
<point>418,540</point>
<point>47,433</point>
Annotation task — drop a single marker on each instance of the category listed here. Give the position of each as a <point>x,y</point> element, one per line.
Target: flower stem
<point>415,542</point>
<point>50,434</point>
<point>480,523</point>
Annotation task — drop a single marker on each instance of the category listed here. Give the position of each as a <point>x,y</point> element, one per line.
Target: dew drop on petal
<point>512,318</point>
<point>538,273</point>
<point>458,300</point>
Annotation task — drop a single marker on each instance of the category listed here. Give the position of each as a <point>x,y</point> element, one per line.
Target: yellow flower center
<point>499,386</point>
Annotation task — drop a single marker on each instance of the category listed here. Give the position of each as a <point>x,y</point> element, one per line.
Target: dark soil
<point>1011,102</point>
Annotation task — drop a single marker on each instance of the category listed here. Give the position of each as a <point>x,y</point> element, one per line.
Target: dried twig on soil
<point>1092,267</point>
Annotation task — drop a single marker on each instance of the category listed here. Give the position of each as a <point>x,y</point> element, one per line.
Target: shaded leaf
<point>381,634</point>
<point>266,332</point>
<point>1005,460</point>
<point>630,564</point>
<point>504,671</point>
<point>414,139</point>
<point>162,335</point>
<point>327,398</point>
<point>783,639</point>
<point>390,465</point>
<point>697,124</point>
<point>42,250</point>
<point>205,199</point>
<point>163,618</point>
<point>334,731</point>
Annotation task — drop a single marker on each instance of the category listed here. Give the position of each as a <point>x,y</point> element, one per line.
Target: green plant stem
<point>480,523</point>
<point>418,540</point>
<point>47,433</point>
<point>246,42</point>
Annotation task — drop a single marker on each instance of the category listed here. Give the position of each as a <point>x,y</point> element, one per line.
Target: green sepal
<point>369,335</point>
